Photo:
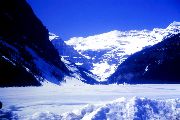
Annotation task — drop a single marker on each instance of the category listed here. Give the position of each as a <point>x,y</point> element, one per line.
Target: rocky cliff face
<point>157,64</point>
<point>27,57</point>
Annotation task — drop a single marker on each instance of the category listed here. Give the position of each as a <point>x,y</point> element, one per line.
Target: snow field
<point>91,102</point>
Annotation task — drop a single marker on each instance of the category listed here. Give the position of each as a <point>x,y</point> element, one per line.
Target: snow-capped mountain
<point>106,51</point>
<point>157,64</point>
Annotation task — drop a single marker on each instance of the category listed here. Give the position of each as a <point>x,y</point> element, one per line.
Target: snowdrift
<point>129,109</point>
<point>120,109</point>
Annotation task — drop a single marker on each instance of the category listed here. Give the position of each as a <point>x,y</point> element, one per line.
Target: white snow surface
<point>129,109</point>
<point>53,36</point>
<point>91,102</point>
<point>119,44</point>
<point>135,39</point>
<point>75,75</point>
<point>103,70</point>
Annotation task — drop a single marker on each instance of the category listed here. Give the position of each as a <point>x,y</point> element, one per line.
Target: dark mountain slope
<point>25,49</point>
<point>157,64</point>
<point>71,54</point>
<point>15,75</point>
<point>68,53</point>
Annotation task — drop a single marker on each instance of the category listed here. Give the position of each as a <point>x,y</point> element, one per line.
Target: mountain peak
<point>174,26</point>
<point>175,23</point>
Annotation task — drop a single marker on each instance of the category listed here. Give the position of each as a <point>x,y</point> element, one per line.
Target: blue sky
<point>70,18</point>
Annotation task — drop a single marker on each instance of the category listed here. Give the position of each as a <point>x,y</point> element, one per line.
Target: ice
<point>80,100</point>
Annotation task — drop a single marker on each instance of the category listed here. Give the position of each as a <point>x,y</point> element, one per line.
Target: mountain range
<point>102,54</point>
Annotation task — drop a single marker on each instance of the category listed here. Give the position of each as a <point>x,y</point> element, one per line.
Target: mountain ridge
<point>102,53</point>
<point>157,64</point>
<point>25,49</point>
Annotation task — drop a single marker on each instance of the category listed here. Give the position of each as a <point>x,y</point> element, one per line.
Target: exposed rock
<point>24,45</point>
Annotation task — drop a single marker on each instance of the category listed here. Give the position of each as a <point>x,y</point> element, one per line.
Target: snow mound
<point>129,109</point>
<point>120,109</point>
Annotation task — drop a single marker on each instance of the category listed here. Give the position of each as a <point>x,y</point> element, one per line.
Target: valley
<point>117,74</point>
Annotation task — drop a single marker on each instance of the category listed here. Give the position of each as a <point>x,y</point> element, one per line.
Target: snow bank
<point>129,109</point>
<point>8,115</point>
<point>120,109</point>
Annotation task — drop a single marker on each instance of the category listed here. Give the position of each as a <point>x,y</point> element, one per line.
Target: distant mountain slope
<point>157,64</point>
<point>68,52</point>
<point>27,57</point>
<point>101,54</point>
<point>68,55</point>
<point>78,74</point>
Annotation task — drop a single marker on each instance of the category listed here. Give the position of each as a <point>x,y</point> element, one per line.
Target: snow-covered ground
<point>80,101</point>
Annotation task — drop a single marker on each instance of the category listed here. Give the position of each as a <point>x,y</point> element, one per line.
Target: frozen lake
<point>29,101</point>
